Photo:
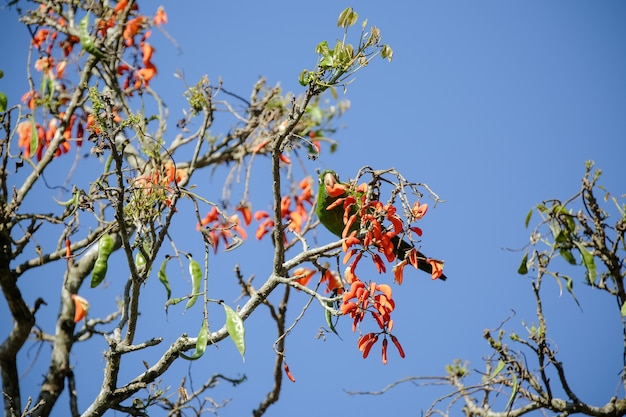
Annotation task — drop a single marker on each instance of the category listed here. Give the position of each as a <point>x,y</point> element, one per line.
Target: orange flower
<point>260,146</point>
<point>68,44</point>
<point>285,203</point>
<point>398,345</point>
<point>306,185</point>
<point>350,276</point>
<point>68,249</point>
<point>235,224</point>
<point>285,159</point>
<point>245,211</point>
<point>40,37</point>
<point>437,267</point>
<point>296,221</point>
<point>417,230</point>
<point>160,16</point>
<point>379,264</point>
<point>385,342</point>
<point>304,274</point>
<point>144,75</point>
<point>45,65</point>
<point>30,97</point>
<point>419,210</point>
<point>91,124</point>
<point>333,281</point>
<point>211,216</point>
<point>261,214</point>
<point>264,228</point>
<point>288,372</point>
<point>80,307</point>
<point>121,5</point>
<point>366,342</point>
<point>24,133</point>
<point>349,241</point>
<point>147,51</point>
<point>132,28</point>
<point>398,271</point>
<point>60,68</point>
<point>219,228</point>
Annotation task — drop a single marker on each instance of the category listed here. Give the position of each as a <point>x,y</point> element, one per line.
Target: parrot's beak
<point>332,185</point>
<point>329,182</point>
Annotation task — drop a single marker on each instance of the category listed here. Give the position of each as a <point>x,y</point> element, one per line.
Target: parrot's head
<point>329,184</point>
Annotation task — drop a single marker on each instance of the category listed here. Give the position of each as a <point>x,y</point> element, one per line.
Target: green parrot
<point>333,219</point>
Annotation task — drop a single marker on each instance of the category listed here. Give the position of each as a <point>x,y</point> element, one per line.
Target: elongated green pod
<point>86,41</point>
<point>105,247</point>
<point>163,277</point>
<point>201,343</point>
<point>196,280</point>
<point>236,331</point>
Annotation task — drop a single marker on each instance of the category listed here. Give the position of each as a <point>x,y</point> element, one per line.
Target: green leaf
<point>387,53</point>
<point>235,328</point>
<point>347,18</point>
<point>523,268</point>
<point>304,77</point>
<point>589,263</point>
<point>567,255</point>
<point>329,320</point>
<point>528,216</point>
<point>3,102</point>
<point>201,343</point>
<point>514,388</point>
<point>196,279</point>
<point>559,234</point>
<point>163,277</point>
<point>499,368</point>
<point>34,137</point>
<point>570,287</point>
<point>322,48</point>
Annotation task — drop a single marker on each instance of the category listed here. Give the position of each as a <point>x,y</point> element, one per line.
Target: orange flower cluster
<point>143,75</point>
<point>139,77</point>
<point>52,67</point>
<point>158,184</point>
<point>35,144</point>
<point>44,40</point>
<point>219,228</point>
<point>376,228</point>
<point>376,300</point>
<point>333,281</point>
<point>372,233</point>
<point>296,217</point>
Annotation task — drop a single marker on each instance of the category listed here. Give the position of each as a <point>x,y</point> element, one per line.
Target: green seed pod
<point>236,331</point>
<point>196,279</point>
<point>86,40</point>
<point>105,247</point>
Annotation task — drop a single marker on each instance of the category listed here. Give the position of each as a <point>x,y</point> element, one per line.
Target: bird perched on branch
<point>334,217</point>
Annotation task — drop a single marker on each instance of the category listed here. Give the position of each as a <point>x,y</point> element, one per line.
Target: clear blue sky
<point>496,105</point>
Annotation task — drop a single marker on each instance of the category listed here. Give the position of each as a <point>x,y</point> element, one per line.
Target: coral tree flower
<point>81,306</point>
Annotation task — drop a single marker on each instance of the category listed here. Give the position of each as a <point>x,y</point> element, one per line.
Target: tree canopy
<point>116,209</point>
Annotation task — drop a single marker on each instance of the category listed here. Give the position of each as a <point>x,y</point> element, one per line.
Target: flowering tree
<point>90,70</point>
